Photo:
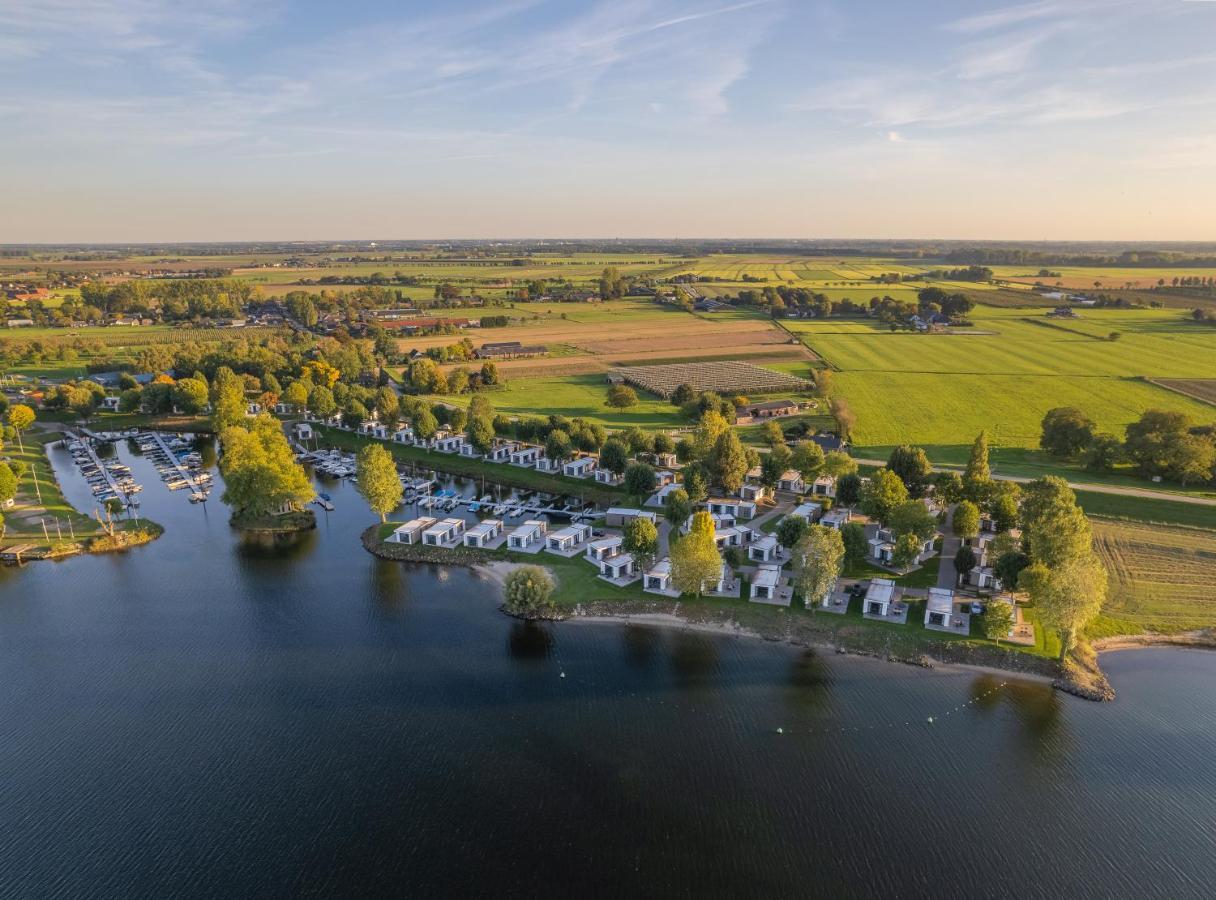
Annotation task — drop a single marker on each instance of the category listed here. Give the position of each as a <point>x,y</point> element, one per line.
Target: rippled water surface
<point>210,717</point>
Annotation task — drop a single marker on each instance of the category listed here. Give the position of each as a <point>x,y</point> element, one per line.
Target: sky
<point>193,120</point>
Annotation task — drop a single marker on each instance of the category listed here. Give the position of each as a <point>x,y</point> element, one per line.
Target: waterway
<point>209,716</point>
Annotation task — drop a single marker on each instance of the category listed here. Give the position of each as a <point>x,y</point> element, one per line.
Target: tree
<point>528,592</point>
<point>8,483</point>
<point>771,433</point>
<point>20,417</point>
<point>1104,452</point>
<point>964,561</point>
<point>998,619</point>
<point>424,376</point>
<point>321,402</point>
<point>966,519</point>
<point>557,446</point>
<point>913,468</point>
<point>1009,566</point>
<point>354,414</point>
<point>424,424</point>
<point>913,517</point>
<point>130,400</point>
<point>695,561</point>
<point>677,507</point>
<point>1068,597</point>
<point>817,561</point>
<point>978,474</point>
<point>711,427</point>
<point>190,396</point>
<point>614,456</point>
<point>855,544</point>
<point>808,460</point>
<point>296,394</point>
<point>621,396</point>
<point>907,549</point>
<point>1066,432</point>
<point>838,464</point>
<point>823,382</point>
<point>479,431</point>
<point>377,480</point>
<point>641,539</point>
<point>773,465</point>
<point>696,482</point>
<point>881,494</point>
<point>261,475</point>
<point>791,530</point>
<point>728,461</point>
<point>227,403</point>
<point>639,479</point>
<point>684,393</point>
<point>1004,512</point>
<point>848,489</point>
<point>612,285</point>
<point>948,487</point>
<point>386,405</point>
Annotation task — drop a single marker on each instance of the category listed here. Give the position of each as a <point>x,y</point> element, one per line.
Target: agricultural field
<point>722,377</point>
<point>1160,578</point>
<point>939,390</point>
<point>1203,389</point>
<point>1106,278</point>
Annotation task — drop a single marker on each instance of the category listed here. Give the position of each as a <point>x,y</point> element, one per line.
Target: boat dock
<point>173,471</point>
<point>109,481</point>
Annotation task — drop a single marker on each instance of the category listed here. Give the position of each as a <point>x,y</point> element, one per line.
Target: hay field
<point>1161,578</point>
<point>1203,389</point>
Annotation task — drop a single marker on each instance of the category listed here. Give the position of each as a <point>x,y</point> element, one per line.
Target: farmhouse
<point>510,350</point>
<point>580,468</point>
<point>772,409</point>
<point>528,535</point>
<point>483,533</point>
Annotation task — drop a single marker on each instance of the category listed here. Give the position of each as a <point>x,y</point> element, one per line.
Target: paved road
<point>947,577</point>
<point>1145,493</point>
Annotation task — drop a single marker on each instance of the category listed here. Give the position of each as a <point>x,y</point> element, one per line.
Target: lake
<point>207,716</point>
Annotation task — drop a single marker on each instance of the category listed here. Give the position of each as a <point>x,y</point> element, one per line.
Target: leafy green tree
<point>612,285</point>
<point>8,483</point>
<point>528,592</point>
<point>913,517</point>
<point>998,620</point>
<point>614,456</point>
<point>296,394</point>
<point>354,414</point>
<point>683,394</point>
<point>882,494</point>
<point>424,424</point>
<point>711,427</point>
<point>1068,596</point>
<point>640,479</point>
<point>386,406</point>
<point>621,396</point>
<point>839,464</point>
<point>20,417</point>
<point>966,519</point>
<point>695,561</point>
<point>808,460</point>
<point>261,475</point>
<point>480,433</point>
<point>913,468</point>
<point>677,507</point>
<point>425,378</point>
<point>774,464</point>
<point>978,475</point>
<point>130,400</point>
<point>321,402</point>
<point>1066,432</point>
<point>964,561</point>
<point>948,487</point>
<point>558,446</point>
<point>728,461</point>
<point>1004,512</point>
<point>855,544</point>
<point>190,396</point>
<point>848,489</point>
<point>771,433</point>
<point>817,561</point>
<point>1105,451</point>
<point>489,374</point>
<point>791,530</point>
<point>641,539</point>
<point>907,548</point>
<point>1009,566</point>
<point>377,480</point>
<point>696,482</point>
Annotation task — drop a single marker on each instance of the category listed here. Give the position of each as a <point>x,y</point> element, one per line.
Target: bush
<point>528,592</point>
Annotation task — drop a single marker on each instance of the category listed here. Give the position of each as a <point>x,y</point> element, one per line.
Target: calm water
<point>207,717</point>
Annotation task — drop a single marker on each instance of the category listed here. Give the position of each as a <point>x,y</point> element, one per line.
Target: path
<point>947,577</point>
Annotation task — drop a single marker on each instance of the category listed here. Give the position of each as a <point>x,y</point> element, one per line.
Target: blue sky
<point>172,120</point>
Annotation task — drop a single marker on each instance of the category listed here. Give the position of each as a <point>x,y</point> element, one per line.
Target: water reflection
<point>641,644</point>
<point>694,658</point>
<point>529,641</point>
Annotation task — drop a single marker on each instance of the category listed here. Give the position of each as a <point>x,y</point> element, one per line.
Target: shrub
<point>528,592</point>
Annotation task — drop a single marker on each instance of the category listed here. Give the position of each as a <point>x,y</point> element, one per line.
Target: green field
<point>939,390</point>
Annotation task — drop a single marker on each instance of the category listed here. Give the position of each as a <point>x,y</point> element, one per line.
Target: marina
<point>177,462</point>
<point>109,480</point>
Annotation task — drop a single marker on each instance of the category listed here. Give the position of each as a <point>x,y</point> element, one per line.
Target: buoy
<point>930,720</point>
<point>563,674</point>
<point>780,731</point>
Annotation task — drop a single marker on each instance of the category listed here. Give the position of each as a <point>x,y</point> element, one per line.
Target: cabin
<point>607,476</point>
<point>483,533</point>
<point>658,579</point>
<point>568,539</point>
<point>411,531</point>
<point>765,586</point>
<point>527,535</point>
<point>449,443</point>
<point>525,456</point>
<point>791,482</point>
<point>764,550</point>
<point>110,404</point>
<point>664,477</point>
<point>666,460</point>
<point>983,578</point>
<point>303,431</point>
<point>939,608</point>
<point>604,548</point>
<point>880,596</point>
<point>659,497</point>
<point>757,493</point>
<point>824,486</point>
<point>403,436</point>
<point>739,509</point>
<point>580,468</point>
<point>501,451</point>
<point>544,464</point>
<point>374,429</point>
<point>732,537</point>
<point>443,533</point>
<point>836,518</point>
<point>882,548</point>
<point>617,568</point>
<point>468,451</point>
<point>620,516</point>
<point>809,512</point>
